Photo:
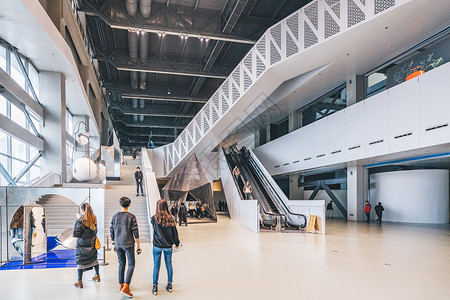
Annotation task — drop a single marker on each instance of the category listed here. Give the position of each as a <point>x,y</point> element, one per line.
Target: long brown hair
<point>89,219</point>
<point>162,215</point>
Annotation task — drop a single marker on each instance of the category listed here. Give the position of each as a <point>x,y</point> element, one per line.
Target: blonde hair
<point>89,219</point>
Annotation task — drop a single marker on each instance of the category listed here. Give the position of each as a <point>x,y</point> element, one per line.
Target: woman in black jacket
<point>164,236</point>
<point>85,230</point>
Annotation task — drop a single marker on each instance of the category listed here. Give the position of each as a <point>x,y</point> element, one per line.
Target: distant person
<point>367,209</point>
<point>247,190</point>
<point>134,153</point>
<point>236,173</point>
<point>85,230</point>
<point>191,209</point>
<point>43,224</point>
<point>379,211</point>
<point>174,211</point>
<point>198,209</point>
<point>203,210</point>
<point>182,213</point>
<point>225,206</point>
<point>330,210</point>
<point>165,235</point>
<point>124,231</point>
<point>139,176</point>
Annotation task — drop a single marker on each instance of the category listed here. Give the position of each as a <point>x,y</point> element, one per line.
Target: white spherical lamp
<point>83,138</point>
<point>84,169</point>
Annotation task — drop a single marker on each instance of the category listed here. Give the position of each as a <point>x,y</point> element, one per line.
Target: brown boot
<point>96,278</point>
<point>126,290</point>
<point>121,286</point>
<point>79,284</point>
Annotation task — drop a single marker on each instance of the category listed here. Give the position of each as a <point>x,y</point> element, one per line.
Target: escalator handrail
<point>229,167</point>
<point>269,184</point>
<point>243,171</point>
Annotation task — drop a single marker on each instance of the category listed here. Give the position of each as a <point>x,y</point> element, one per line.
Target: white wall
<point>416,196</point>
<point>308,208</point>
<point>340,194</point>
<point>374,127</point>
<point>245,212</point>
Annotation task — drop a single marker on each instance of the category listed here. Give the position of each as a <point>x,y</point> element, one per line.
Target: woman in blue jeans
<point>164,236</point>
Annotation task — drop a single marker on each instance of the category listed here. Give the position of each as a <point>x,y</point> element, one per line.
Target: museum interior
<point>298,144</point>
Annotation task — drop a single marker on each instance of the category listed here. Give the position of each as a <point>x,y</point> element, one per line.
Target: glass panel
<point>35,173</point>
<point>2,105</point>
<point>34,78</point>
<point>376,83</point>
<point>17,166</point>
<point>4,162</point>
<point>18,116</point>
<point>69,153</point>
<point>3,143</point>
<point>19,149</point>
<point>3,58</point>
<point>16,72</point>
<point>69,122</point>
<point>33,152</point>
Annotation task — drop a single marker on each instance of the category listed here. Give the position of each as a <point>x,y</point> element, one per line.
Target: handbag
<point>97,243</point>
<point>175,249</point>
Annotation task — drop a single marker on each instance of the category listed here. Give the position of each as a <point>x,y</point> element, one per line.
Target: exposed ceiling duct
<point>141,103</point>
<point>145,6</point>
<point>133,52</point>
<point>134,103</point>
<point>141,118</point>
<point>132,7</point>
<point>143,54</point>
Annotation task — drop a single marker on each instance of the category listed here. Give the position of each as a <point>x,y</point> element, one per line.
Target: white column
<point>295,192</point>
<point>52,94</point>
<point>355,89</point>
<point>357,191</point>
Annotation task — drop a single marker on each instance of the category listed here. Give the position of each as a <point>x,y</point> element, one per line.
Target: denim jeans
<point>129,253</point>
<point>157,252</point>
<point>139,184</point>
<point>16,233</point>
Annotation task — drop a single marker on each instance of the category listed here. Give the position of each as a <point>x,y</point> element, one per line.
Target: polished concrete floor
<point>227,261</point>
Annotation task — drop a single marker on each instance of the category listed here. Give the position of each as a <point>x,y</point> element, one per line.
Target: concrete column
<point>295,120</point>
<point>257,138</point>
<point>356,90</point>
<point>52,94</point>
<point>295,192</point>
<point>357,191</point>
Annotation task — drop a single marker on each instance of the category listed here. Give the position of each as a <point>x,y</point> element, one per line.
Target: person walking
<point>85,230</point>
<point>379,211</point>
<point>134,153</point>
<point>139,176</point>
<point>330,210</point>
<point>367,209</point>
<point>247,190</point>
<point>165,235</point>
<point>124,232</point>
<point>182,213</point>
<point>174,211</point>
<point>191,209</point>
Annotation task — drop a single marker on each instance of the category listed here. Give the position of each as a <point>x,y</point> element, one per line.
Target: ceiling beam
<point>114,14</point>
<point>147,125</point>
<point>161,65</point>
<point>129,111</point>
<point>216,47</point>
<point>154,93</point>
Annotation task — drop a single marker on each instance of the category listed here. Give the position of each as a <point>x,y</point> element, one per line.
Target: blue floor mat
<point>52,259</point>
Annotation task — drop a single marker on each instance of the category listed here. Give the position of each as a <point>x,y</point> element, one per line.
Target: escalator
<point>266,189</point>
<point>268,214</point>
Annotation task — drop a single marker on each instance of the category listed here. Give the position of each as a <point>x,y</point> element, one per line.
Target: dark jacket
<point>138,175</point>
<point>164,237</point>
<point>85,253</point>
<point>379,209</point>
<point>182,212</point>
<point>124,229</point>
<point>174,211</point>
<point>330,206</point>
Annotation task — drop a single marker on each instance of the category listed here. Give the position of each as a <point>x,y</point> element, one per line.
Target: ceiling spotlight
<point>201,38</point>
<point>159,34</point>
<point>168,92</point>
<point>206,39</point>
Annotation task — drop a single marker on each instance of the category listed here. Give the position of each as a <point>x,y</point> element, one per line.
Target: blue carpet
<point>49,260</point>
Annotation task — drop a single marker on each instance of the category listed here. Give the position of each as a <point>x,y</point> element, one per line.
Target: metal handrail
<point>269,185</point>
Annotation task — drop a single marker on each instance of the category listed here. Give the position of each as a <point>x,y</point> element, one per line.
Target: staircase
<point>127,187</point>
<point>60,211</point>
